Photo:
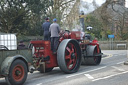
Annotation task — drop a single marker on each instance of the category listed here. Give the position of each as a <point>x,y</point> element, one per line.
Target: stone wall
<point>106,45</point>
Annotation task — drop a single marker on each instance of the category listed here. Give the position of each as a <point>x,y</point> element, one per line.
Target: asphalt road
<point>111,71</point>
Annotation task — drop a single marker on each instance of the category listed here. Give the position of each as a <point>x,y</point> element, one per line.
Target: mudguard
<point>8,61</point>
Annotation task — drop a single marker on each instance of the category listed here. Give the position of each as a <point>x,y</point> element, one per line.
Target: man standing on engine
<point>54,30</point>
<point>46,26</point>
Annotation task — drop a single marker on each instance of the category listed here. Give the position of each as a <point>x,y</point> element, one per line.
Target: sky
<point>126,4</point>
<point>91,7</point>
<point>99,2</point>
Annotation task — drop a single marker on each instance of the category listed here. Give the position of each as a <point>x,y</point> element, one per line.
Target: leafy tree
<point>23,16</point>
<point>12,16</point>
<point>96,24</point>
<point>113,15</point>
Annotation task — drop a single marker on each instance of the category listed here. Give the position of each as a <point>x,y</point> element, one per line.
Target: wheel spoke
<point>68,53</point>
<point>71,56</point>
<point>75,54</point>
<point>68,57</point>
<point>69,64</point>
<point>74,60</point>
<point>68,49</point>
<point>72,48</point>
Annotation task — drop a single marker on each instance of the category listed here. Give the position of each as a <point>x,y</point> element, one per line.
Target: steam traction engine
<point>73,50</point>
<point>71,53</point>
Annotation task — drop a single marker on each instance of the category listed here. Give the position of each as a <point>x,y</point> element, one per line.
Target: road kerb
<point>106,55</point>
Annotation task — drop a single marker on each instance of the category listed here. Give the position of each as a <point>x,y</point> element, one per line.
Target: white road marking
<point>120,54</point>
<point>39,84</point>
<point>120,62</point>
<point>118,68</point>
<point>86,72</point>
<point>110,76</point>
<point>89,76</point>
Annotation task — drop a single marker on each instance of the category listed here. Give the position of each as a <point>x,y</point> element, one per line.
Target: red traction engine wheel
<point>69,56</point>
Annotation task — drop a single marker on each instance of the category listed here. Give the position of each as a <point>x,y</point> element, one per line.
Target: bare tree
<point>60,9</point>
<point>72,19</point>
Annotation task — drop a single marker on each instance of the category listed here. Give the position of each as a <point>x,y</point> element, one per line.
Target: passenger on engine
<point>95,40</point>
<point>54,30</point>
<point>45,27</point>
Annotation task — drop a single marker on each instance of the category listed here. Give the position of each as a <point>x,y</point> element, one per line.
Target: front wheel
<point>17,73</point>
<point>95,57</point>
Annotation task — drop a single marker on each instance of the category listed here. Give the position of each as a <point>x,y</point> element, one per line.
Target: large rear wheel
<point>69,56</point>
<point>17,73</point>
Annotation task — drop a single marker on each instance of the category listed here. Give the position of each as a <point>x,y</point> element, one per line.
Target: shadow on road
<point>3,83</point>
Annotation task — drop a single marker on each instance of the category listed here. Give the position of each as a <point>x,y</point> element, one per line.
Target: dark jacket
<point>45,27</point>
<point>21,46</point>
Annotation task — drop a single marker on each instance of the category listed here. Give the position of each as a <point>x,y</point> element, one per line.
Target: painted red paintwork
<point>44,51</point>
